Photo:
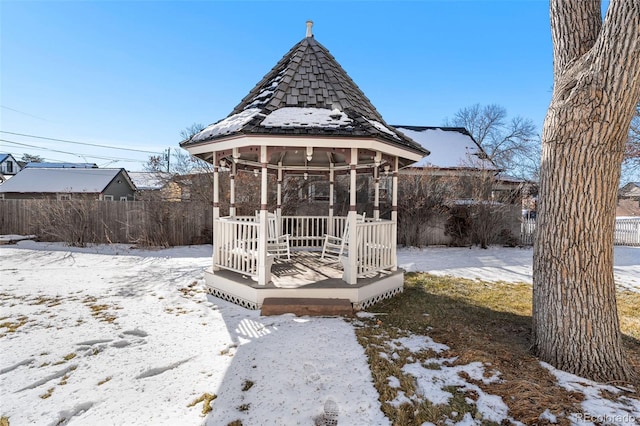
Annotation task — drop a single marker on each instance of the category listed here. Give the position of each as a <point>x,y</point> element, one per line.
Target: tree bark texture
<point>596,89</point>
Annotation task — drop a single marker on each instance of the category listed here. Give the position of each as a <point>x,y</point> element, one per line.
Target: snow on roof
<point>149,180</point>
<point>60,180</point>
<point>308,78</point>
<point>290,117</point>
<point>41,165</point>
<point>449,147</point>
<point>231,124</point>
<point>378,125</point>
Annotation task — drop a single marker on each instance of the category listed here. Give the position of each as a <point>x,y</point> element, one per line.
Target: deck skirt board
<point>306,306</point>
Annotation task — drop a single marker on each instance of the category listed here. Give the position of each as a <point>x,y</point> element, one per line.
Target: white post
<point>330,229</point>
<point>350,273</point>
<point>279,194</point>
<point>264,261</point>
<point>216,210</point>
<point>376,198</point>
<point>394,216</point>
<point>232,190</point>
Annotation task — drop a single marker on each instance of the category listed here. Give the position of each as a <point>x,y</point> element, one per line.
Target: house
<point>456,154</point>
<point>453,150</point>
<point>461,185</point>
<point>630,190</point>
<point>69,183</point>
<point>152,185</point>
<point>629,200</point>
<point>9,166</point>
<point>306,117</point>
<point>194,186</point>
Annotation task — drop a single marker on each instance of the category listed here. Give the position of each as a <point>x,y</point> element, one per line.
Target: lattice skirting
<point>364,304</point>
<point>233,299</point>
<point>359,305</point>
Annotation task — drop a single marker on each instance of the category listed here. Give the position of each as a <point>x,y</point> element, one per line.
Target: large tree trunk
<point>596,89</point>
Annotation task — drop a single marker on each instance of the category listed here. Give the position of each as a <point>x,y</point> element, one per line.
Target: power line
<point>22,112</point>
<point>79,143</point>
<point>71,153</point>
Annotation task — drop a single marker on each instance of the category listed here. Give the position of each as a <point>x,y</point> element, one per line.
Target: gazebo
<point>305,117</point>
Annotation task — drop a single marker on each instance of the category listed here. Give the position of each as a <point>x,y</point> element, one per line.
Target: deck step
<point>306,306</point>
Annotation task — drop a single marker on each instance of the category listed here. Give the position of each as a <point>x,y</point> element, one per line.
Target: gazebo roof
<point>306,94</point>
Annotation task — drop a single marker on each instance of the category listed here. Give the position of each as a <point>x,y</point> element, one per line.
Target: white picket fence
<point>626,233</point>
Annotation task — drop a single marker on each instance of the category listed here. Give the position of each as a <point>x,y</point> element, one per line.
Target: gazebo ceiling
<point>302,159</point>
<point>309,114</point>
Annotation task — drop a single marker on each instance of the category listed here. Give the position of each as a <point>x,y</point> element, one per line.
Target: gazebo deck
<point>305,275</point>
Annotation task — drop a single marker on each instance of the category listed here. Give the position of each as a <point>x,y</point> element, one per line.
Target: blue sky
<point>134,74</point>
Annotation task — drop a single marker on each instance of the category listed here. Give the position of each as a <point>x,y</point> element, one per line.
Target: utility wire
<point>79,143</point>
<point>71,153</point>
<point>22,112</point>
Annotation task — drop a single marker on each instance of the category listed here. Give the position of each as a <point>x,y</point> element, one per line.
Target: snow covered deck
<point>306,275</point>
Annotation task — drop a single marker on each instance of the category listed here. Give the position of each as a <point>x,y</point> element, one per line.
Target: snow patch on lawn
<point>597,408</point>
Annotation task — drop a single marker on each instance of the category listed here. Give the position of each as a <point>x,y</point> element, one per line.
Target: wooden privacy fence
<point>77,222</point>
<point>626,232</point>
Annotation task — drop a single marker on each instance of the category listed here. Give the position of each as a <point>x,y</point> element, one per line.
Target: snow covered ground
<point>113,335</point>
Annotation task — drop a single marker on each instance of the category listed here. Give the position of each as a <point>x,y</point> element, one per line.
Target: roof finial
<point>309,26</point>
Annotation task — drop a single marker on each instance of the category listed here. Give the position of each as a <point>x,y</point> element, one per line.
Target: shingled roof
<point>306,93</point>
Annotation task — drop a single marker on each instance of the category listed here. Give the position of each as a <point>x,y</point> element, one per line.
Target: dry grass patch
<point>479,321</point>
<point>101,312</point>
<point>179,310</point>
<point>47,394</point>
<point>67,357</point>
<point>47,301</point>
<point>13,326</point>
<point>628,313</point>
<point>206,399</point>
<point>102,382</point>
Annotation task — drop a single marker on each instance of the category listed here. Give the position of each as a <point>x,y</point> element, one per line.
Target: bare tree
<point>596,90</point>
<point>192,175</point>
<point>510,144</point>
<point>422,199</point>
<point>178,161</point>
<point>192,130</point>
<point>30,158</point>
<point>631,163</point>
<point>70,221</point>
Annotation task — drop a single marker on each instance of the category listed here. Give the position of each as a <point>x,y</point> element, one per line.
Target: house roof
<point>149,180</point>
<point>62,180</point>
<point>5,156</point>
<point>450,147</point>
<point>33,164</point>
<point>306,93</point>
<point>631,189</point>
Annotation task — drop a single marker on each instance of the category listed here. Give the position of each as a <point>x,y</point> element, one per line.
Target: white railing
<point>376,248</point>
<point>626,232</point>
<point>527,231</point>
<point>236,241</point>
<point>236,245</point>
<point>307,232</point>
